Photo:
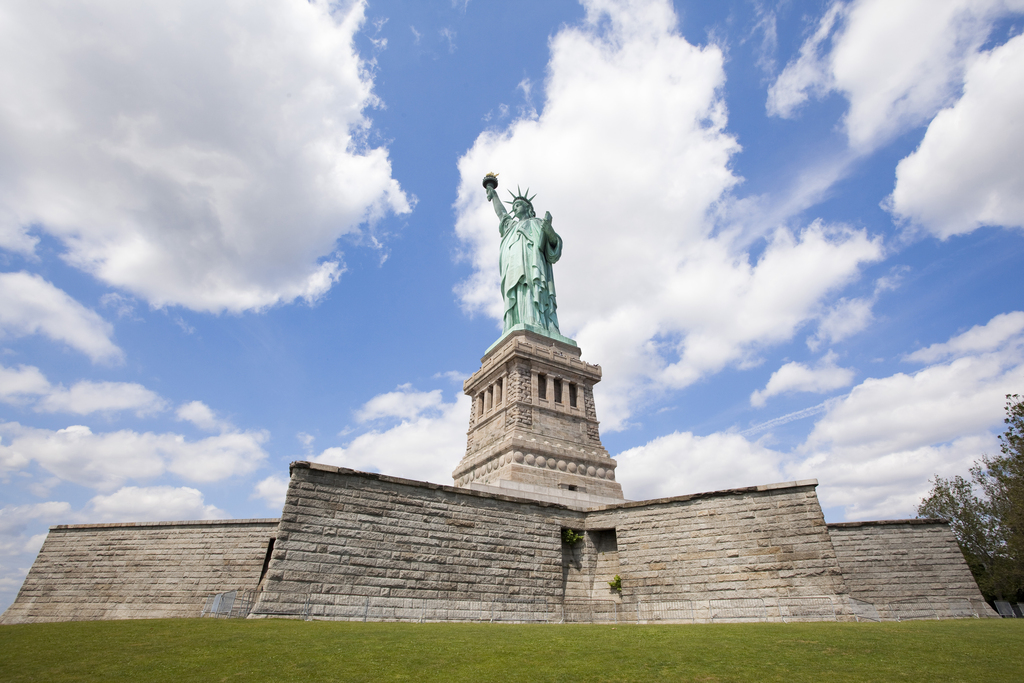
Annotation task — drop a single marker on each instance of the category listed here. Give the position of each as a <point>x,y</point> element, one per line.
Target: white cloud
<point>106,461</point>
<point>896,63</point>
<point>14,237</point>
<point>644,284</point>
<point>27,384</point>
<point>891,485</point>
<point>206,153</point>
<point>17,522</point>
<point>272,490</point>
<point>997,332</point>
<point>935,405</point>
<point>404,404</point>
<point>792,377</point>
<point>21,385</point>
<point>967,171</point>
<point>41,488</point>
<point>454,376</point>
<point>847,317</point>
<point>150,504</point>
<point>22,532</point>
<point>843,319</point>
<point>421,447</point>
<point>808,73</point>
<point>31,305</point>
<point>876,448</point>
<point>202,416</point>
<point>216,457</point>
<point>767,26</point>
<point>124,306</point>
<point>89,397</point>
<point>448,36</point>
<point>682,463</point>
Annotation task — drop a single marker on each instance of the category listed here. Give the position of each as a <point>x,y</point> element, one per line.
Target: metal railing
<point>234,604</point>
<point>809,608</point>
<point>1008,611</point>
<point>737,609</point>
<point>584,611</point>
<point>929,608</point>
<point>649,611</point>
<point>514,609</point>
<point>864,611</point>
<point>352,607</point>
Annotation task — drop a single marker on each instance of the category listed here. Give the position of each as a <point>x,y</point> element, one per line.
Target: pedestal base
<point>572,499</point>
<point>524,327</point>
<point>534,428</point>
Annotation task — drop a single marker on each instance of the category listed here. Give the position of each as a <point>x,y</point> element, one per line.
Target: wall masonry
<point>905,561</point>
<point>762,542</point>
<point>414,550</point>
<point>141,570</point>
<point>347,535</point>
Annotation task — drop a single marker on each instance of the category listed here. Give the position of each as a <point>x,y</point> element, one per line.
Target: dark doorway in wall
<point>606,566</point>
<point>266,560</point>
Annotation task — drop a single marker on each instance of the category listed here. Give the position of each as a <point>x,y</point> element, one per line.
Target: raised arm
<point>499,208</point>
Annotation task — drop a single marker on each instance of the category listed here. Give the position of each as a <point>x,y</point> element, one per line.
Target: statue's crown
<point>522,195</point>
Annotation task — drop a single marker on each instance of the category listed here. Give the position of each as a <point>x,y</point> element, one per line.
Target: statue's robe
<point>527,280</point>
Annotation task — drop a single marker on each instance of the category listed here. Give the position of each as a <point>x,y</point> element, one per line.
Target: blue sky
<point>234,236</point>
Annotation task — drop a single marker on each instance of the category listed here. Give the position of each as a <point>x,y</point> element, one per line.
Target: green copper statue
<point>529,247</point>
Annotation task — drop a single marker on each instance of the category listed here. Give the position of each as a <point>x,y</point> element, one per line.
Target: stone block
<point>161,569</point>
<point>908,561</point>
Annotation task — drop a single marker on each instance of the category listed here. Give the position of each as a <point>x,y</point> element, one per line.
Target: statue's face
<point>521,209</point>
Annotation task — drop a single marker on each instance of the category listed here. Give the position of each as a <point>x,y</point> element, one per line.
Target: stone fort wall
<point>347,538</point>
<point>904,561</point>
<point>139,571</point>
<point>758,542</point>
<point>347,535</point>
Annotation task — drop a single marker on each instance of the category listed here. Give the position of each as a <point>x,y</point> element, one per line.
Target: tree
<point>986,514</point>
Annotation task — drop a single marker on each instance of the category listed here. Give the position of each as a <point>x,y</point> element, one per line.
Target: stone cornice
<point>192,522</point>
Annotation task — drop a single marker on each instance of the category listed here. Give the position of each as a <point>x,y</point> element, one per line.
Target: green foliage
<point>265,651</point>
<point>616,583</point>
<point>571,537</point>
<point>986,514</point>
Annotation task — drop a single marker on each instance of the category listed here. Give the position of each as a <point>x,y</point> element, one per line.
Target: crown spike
<point>525,196</point>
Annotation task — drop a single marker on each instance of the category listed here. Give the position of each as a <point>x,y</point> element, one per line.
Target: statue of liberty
<point>529,247</point>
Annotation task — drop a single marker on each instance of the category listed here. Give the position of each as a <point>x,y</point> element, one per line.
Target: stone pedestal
<point>533,430</point>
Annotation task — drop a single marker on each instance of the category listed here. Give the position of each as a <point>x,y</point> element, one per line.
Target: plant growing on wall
<point>571,537</point>
<point>616,583</point>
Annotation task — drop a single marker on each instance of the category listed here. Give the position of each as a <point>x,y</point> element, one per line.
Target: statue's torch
<point>491,181</point>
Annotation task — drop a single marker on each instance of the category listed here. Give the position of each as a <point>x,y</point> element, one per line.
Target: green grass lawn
<point>280,650</point>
